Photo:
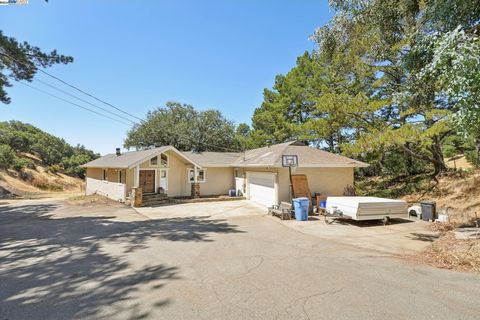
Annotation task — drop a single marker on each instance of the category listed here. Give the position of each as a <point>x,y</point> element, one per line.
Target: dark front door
<point>147,181</point>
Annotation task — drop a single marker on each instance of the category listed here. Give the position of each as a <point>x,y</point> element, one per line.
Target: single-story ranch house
<point>257,174</point>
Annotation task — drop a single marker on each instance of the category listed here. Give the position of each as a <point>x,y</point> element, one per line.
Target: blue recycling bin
<point>300,207</point>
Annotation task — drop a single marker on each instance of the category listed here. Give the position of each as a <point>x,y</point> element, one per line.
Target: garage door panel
<point>262,188</point>
<point>264,183</point>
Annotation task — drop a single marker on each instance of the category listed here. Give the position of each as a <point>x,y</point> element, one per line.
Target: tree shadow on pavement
<point>58,267</point>
<point>426,237</point>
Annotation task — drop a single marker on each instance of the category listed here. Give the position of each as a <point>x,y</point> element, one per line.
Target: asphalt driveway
<point>225,261</point>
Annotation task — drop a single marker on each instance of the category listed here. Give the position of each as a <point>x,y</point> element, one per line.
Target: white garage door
<point>261,188</point>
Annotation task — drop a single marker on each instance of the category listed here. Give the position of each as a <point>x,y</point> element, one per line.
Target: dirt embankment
<point>38,182</point>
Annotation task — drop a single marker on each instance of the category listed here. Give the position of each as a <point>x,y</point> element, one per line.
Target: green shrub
<point>55,168</point>
<point>19,164</point>
<point>48,187</point>
<point>7,157</point>
<point>72,164</point>
<point>43,184</point>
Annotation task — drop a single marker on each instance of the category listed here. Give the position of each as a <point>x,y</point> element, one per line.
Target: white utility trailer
<point>366,208</point>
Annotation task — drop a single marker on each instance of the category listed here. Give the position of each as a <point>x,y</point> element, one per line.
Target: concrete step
<point>154,196</point>
<point>155,202</point>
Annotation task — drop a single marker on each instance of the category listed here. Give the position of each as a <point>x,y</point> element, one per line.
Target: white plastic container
<point>442,218</point>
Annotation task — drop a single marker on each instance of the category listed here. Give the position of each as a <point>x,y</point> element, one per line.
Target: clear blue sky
<point>140,54</point>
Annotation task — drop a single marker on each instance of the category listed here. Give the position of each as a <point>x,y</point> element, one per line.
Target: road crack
<point>307,298</point>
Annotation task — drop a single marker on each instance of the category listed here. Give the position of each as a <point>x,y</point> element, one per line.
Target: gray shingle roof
<point>130,159</point>
<point>307,157</point>
<point>213,159</point>
<point>271,156</point>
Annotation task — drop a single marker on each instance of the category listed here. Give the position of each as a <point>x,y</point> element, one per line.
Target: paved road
<point>62,262</point>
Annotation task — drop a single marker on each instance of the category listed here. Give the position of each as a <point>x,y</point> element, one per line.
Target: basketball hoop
<point>289,161</point>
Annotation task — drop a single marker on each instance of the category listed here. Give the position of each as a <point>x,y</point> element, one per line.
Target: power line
<point>90,95</point>
<point>72,103</point>
<point>83,100</point>
<point>74,87</point>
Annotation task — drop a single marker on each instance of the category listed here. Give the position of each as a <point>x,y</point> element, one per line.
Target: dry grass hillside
<point>38,182</point>
<point>458,162</point>
<point>457,193</point>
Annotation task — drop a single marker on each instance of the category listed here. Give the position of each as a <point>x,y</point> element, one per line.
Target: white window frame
<point>189,170</point>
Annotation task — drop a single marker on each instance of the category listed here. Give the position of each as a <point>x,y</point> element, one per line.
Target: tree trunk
<point>410,164</point>
<point>439,162</point>
<point>436,159</point>
<point>331,143</point>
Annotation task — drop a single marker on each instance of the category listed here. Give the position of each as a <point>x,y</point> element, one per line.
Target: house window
<point>154,161</point>
<point>201,176</point>
<point>105,175</point>
<point>237,173</point>
<point>164,159</point>
<point>191,174</point>
<point>119,176</point>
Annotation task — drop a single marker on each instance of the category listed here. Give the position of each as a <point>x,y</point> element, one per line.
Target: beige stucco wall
<point>284,185</point>
<point>177,176</point>
<point>218,181</point>
<point>112,174</point>
<point>95,173</point>
<point>130,180</point>
<point>326,181</point>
